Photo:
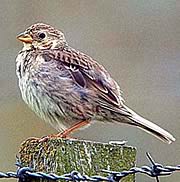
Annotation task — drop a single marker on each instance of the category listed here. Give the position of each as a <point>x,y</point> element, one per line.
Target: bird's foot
<point>55,136</point>
<point>30,139</point>
<point>65,134</point>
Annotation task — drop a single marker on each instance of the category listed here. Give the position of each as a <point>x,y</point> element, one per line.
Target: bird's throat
<point>27,46</point>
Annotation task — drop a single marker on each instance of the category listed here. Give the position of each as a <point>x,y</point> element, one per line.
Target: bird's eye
<point>42,35</point>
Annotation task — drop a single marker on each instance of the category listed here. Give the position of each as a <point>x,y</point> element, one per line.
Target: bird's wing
<point>88,73</point>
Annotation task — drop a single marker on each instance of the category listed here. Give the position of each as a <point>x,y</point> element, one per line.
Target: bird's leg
<point>65,133</point>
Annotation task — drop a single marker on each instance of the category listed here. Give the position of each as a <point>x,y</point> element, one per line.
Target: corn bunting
<point>68,88</point>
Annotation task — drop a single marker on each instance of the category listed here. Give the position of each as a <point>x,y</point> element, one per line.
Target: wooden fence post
<point>62,156</point>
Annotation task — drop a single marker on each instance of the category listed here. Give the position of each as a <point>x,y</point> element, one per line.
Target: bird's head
<point>42,36</point>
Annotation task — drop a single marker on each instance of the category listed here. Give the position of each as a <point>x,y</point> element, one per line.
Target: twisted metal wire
<point>155,170</point>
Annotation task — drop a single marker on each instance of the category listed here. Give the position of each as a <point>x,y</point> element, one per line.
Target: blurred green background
<point>138,41</point>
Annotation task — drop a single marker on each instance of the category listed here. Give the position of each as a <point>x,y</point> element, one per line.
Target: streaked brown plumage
<point>69,89</point>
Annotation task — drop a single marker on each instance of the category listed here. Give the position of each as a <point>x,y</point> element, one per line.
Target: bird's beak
<point>24,37</point>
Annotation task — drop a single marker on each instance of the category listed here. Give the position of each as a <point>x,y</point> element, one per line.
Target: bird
<point>69,89</point>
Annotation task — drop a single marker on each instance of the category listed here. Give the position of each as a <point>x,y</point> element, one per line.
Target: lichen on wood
<point>62,156</point>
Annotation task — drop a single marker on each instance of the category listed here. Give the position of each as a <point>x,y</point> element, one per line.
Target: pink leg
<point>65,133</point>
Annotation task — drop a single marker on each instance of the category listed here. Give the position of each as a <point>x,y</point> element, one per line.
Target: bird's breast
<point>36,89</point>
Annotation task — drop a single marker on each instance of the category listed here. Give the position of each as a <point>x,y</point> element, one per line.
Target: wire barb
<point>155,170</point>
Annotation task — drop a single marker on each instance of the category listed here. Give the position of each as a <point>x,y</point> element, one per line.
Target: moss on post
<point>61,156</point>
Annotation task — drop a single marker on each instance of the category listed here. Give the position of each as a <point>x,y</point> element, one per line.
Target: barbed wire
<point>154,170</point>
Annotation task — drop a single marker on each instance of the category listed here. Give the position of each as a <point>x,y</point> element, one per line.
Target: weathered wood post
<point>62,156</point>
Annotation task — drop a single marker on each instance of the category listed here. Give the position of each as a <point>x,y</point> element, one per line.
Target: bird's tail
<point>136,120</point>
